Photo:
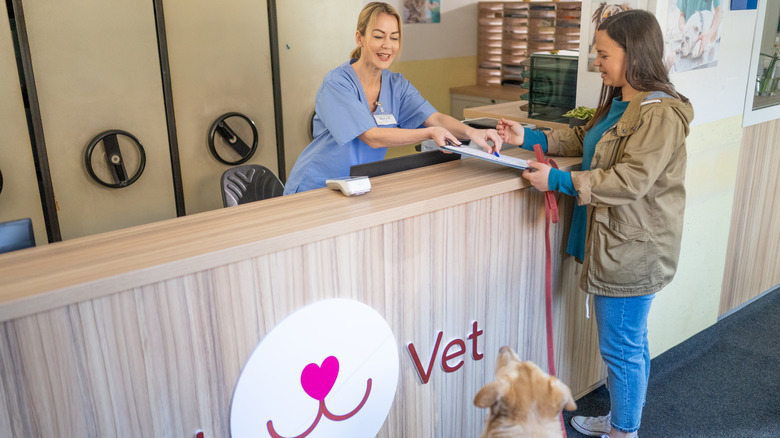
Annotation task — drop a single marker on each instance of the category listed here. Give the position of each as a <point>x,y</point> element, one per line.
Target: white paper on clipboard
<point>504,160</point>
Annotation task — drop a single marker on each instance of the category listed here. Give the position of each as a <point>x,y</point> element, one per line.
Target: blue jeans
<point>622,327</point>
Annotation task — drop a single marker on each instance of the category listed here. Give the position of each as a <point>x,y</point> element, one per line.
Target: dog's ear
<point>490,394</point>
<point>598,11</point>
<point>562,398</point>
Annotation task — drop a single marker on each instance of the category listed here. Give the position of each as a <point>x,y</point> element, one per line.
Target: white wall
<point>716,93</point>
<point>455,36</point>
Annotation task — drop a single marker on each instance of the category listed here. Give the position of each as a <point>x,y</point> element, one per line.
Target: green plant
<point>581,112</point>
<point>765,82</point>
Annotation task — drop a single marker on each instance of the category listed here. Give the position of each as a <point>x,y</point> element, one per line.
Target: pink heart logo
<point>317,381</point>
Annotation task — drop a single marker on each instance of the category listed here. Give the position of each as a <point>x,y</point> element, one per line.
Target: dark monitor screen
<point>16,234</point>
<point>398,164</point>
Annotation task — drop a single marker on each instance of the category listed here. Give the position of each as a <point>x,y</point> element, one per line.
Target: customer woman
<point>362,108</point>
<point>627,227</point>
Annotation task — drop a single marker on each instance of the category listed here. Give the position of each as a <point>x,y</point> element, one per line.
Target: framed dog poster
<point>421,11</point>
<point>602,10</point>
<point>693,34</point>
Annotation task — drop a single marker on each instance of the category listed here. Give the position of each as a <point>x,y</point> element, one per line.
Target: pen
<point>496,154</point>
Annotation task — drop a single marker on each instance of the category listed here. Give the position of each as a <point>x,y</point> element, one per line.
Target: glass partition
<point>762,102</point>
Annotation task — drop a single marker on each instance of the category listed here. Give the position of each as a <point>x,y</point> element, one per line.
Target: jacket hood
<point>645,100</point>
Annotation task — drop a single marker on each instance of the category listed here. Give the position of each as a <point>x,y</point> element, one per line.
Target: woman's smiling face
<point>610,60</point>
<point>381,43</point>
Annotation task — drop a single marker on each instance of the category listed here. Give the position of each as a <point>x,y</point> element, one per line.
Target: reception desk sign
<point>329,369</point>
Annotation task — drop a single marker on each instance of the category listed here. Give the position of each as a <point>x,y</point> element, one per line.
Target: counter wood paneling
<point>144,331</point>
<point>754,239</point>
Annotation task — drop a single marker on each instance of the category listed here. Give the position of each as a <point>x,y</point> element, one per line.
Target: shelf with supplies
<point>509,32</point>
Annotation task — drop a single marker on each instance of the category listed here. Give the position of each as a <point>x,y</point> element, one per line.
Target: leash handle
<point>550,215</point>
<point>551,207</point>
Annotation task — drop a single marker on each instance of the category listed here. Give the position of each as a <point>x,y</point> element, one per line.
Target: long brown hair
<point>367,19</point>
<point>638,33</point>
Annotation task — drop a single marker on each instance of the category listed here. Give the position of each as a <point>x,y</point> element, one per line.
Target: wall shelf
<point>509,32</point>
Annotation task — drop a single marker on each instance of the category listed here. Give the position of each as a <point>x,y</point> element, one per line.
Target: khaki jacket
<point>635,195</point>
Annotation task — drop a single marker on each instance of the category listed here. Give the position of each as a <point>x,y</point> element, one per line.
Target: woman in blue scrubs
<point>362,108</point>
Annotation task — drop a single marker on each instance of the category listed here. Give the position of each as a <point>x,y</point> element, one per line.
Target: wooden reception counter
<point>144,331</point>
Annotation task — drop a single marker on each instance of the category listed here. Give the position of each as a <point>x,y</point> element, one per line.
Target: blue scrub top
<point>342,114</point>
<point>690,7</point>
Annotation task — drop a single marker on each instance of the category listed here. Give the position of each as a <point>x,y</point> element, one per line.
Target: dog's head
<point>604,10</point>
<point>601,13</point>
<point>415,10</point>
<point>523,396</point>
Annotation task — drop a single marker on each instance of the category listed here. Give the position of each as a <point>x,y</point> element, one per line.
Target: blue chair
<point>16,234</point>
<point>249,183</point>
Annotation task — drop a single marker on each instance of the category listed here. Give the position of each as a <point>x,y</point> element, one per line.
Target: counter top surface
<point>511,111</point>
<point>62,273</point>
<point>501,92</point>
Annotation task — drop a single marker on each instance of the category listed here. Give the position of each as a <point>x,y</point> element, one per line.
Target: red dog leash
<point>550,215</point>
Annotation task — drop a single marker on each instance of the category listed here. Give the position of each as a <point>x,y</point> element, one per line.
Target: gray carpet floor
<point>722,382</point>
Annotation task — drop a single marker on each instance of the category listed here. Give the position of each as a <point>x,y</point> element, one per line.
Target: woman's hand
<point>511,132</point>
<point>442,129</point>
<point>704,40</point>
<point>442,136</point>
<point>537,174</point>
<point>482,136</point>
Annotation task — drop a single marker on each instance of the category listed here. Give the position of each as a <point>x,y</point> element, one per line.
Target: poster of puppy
<point>602,10</point>
<point>421,11</point>
<point>693,34</point>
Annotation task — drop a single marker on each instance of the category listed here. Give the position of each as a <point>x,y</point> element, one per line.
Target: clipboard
<point>504,160</point>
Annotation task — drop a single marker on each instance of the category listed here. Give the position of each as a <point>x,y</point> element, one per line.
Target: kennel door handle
<point>231,139</point>
<point>114,160</point>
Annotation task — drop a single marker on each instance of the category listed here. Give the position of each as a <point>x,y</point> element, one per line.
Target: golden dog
<point>524,401</point>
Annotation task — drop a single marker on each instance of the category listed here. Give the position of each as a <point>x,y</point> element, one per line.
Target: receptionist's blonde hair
<point>367,19</point>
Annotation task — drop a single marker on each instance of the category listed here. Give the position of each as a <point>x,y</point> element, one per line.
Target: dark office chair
<point>16,234</point>
<point>249,183</point>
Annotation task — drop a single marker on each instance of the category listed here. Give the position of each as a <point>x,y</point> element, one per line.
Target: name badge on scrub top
<point>383,118</point>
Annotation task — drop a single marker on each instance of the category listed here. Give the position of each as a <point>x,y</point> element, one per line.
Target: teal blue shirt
<point>689,7</point>
<point>561,181</point>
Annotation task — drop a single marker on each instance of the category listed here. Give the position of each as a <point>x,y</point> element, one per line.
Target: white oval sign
<point>328,369</point>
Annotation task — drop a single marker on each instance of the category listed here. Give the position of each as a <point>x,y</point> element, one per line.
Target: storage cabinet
<point>509,32</point>
<point>95,75</point>
<point>122,149</point>
<point>19,197</point>
<point>489,42</point>
<point>219,67</point>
